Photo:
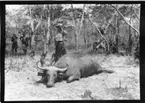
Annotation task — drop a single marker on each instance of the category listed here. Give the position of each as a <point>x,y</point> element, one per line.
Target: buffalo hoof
<point>36,83</point>
<point>68,81</point>
<point>40,74</point>
<point>48,86</point>
<point>39,82</point>
<point>72,78</point>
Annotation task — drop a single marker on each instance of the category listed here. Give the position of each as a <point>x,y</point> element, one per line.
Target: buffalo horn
<point>38,65</point>
<point>51,68</point>
<point>62,69</point>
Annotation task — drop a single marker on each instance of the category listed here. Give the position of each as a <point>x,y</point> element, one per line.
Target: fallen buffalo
<point>70,67</point>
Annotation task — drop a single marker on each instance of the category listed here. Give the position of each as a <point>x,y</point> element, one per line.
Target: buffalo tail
<point>107,71</point>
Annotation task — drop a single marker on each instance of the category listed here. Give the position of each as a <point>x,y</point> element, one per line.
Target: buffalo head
<point>51,73</point>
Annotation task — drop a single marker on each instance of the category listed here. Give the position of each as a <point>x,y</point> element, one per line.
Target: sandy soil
<point>124,84</point>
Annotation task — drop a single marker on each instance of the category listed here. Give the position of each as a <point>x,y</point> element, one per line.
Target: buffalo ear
<point>45,71</point>
<point>60,77</point>
<point>60,74</point>
<point>67,64</point>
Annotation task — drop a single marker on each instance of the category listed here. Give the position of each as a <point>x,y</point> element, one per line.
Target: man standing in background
<point>59,44</point>
<point>14,44</point>
<point>25,42</point>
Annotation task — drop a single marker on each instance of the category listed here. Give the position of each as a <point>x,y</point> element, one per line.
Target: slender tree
<point>125,19</point>
<point>75,23</point>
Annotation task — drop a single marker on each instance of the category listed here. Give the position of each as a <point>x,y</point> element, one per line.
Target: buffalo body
<point>72,66</point>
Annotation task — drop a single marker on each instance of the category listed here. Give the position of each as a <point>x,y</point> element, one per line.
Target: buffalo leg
<point>73,78</point>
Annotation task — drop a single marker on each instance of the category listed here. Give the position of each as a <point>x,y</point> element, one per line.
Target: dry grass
<point>124,84</point>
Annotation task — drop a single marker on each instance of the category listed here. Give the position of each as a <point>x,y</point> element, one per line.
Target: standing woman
<point>59,44</point>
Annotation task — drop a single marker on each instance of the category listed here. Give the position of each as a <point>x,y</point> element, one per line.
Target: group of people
<point>24,40</point>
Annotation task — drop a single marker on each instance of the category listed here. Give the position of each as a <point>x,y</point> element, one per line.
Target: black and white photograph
<point>72,52</point>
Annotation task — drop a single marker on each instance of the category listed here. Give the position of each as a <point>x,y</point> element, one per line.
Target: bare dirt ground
<point>124,84</point>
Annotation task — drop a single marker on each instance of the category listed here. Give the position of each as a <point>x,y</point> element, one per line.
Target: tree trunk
<point>84,34</point>
<point>108,48</point>
<point>76,34</point>
<point>47,35</point>
<point>82,19</point>
<point>129,43</point>
<point>129,50</point>
<point>117,35</point>
<point>125,19</point>
<point>32,43</point>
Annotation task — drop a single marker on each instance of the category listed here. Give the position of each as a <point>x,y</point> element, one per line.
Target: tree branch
<point>125,19</point>
<point>76,33</point>
<point>37,25</point>
<point>31,20</point>
<point>82,19</point>
<point>48,23</point>
<point>109,24</point>
<point>74,18</point>
<point>39,22</point>
<point>99,32</point>
<point>135,13</point>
